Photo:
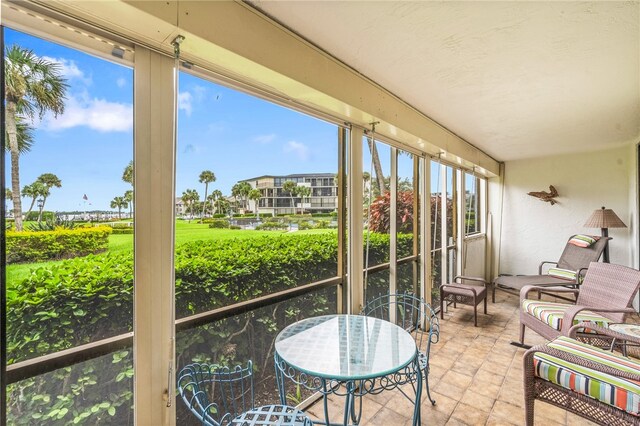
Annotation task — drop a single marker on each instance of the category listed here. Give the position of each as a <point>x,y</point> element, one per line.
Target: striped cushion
<point>565,274</point>
<point>552,313</point>
<point>582,240</point>
<point>617,392</point>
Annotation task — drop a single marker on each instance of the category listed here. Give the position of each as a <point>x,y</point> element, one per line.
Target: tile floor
<point>476,376</point>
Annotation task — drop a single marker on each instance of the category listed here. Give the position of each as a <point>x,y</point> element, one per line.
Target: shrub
<point>219,223</point>
<point>51,225</point>
<point>272,226</point>
<point>32,216</point>
<point>27,246</point>
<point>219,215</point>
<point>122,230</point>
<point>235,227</point>
<point>304,225</point>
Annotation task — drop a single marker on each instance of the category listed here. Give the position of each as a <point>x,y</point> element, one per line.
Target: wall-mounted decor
<point>546,196</point>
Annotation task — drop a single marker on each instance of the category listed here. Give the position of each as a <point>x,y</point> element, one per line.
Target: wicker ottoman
<point>466,294</point>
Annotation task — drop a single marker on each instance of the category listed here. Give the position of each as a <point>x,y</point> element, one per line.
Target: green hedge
<point>27,246</point>
<point>271,226</point>
<point>219,224</point>
<point>121,230</point>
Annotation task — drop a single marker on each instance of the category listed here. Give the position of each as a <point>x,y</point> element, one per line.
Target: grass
<point>185,232</point>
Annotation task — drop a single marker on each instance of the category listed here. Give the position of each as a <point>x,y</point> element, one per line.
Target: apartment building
<point>275,200</point>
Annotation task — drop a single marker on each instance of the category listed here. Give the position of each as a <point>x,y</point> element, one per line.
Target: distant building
<point>181,209</point>
<point>274,201</point>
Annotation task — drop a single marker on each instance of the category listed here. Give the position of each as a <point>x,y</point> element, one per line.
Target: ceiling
<point>515,79</point>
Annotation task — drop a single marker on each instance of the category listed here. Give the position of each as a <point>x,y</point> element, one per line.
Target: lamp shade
<point>604,218</point>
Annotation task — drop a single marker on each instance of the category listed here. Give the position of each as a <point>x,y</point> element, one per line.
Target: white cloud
<point>121,82</point>
<point>299,149</point>
<point>69,69</point>
<point>265,139</point>
<point>184,102</point>
<point>97,114</point>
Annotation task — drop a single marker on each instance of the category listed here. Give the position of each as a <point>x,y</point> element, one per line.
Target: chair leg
<point>426,382</point>
<point>442,306</point>
<point>485,305</point>
<point>475,313</point>
<point>493,293</point>
<point>522,326</point>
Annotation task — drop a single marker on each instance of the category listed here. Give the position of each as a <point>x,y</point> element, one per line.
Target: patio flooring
<point>475,378</point>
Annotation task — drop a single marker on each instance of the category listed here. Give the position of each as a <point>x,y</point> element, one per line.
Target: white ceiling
<point>516,79</point>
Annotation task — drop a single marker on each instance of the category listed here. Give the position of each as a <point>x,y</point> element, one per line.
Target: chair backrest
<point>575,258</point>
<point>214,394</point>
<point>609,286</point>
<point>409,312</point>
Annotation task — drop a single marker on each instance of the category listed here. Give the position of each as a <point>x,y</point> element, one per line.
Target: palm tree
<point>255,195</point>
<point>35,190</point>
<point>216,196</point>
<point>292,188</point>
<point>119,203</point>
<point>128,197</point>
<point>206,177</point>
<point>49,180</point>
<point>241,190</point>
<point>377,167</point>
<point>32,85</point>
<point>303,192</point>
<point>127,174</point>
<point>190,197</point>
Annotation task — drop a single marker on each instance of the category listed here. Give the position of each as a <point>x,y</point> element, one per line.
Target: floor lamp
<point>604,219</point>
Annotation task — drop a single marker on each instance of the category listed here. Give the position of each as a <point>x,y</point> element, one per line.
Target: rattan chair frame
<point>607,290</point>
<point>572,258</point>
<point>459,292</point>
<point>582,405</point>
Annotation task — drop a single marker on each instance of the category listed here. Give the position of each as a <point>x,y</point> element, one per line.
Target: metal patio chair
<point>605,297</point>
<point>219,396</point>
<point>414,315</point>
<point>572,265</point>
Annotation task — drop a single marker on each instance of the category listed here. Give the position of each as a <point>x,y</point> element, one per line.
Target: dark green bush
<point>121,231</point>
<point>30,246</point>
<point>272,226</point>
<point>235,227</point>
<point>219,215</point>
<point>219,223</point>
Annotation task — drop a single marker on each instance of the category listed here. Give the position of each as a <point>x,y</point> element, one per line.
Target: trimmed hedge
<point>27,246</point>
<point>219,224</point>
<point>122,230</point>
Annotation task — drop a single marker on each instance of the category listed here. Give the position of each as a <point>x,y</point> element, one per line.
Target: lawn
<point>185,232</point>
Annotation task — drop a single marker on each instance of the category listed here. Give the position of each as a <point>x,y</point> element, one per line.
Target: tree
<point>255,195</point>
<point>190,197</point>
<point>128,197</point>
<point>119,203</point>
<point>377,167</point>
<point>33,86</point>
<point>292,188</point>
<point>216,196</point>
<point>35,190</point>
<point>206,177</point>
<point>49,180</point>
<point>241,190</point>
<point>303,192</point>
<point>127,174</point>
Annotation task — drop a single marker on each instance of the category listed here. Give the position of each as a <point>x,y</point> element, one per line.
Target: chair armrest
<point>544,262</point>
<point>474,279</point>
<point>529,288</point>
<point>475,293</point>
<point>573,332</point>
<point>572,311</point>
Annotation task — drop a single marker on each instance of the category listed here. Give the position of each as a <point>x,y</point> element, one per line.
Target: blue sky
<point>235,135</point>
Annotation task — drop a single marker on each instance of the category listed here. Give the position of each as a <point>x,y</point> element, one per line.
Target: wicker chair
<point>414,315</point>
<point>605,297</point>
<point>467,291</point>
<point>219,396</point>
<point>600,386</point>
<point>573,258</point>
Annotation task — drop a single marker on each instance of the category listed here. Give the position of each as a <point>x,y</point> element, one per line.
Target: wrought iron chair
<point>414,315</point>
<point>573,259</point>
<point>219,396</point>
<point>605,297</point>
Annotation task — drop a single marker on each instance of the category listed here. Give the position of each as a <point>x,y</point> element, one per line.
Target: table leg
<point>349,402</point>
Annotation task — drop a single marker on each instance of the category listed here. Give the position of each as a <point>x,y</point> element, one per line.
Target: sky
<point>235,135</point>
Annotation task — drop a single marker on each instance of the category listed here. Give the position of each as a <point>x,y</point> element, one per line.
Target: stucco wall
<point>533,230</point>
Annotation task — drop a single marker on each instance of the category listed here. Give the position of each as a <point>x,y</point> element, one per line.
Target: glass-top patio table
<point>349,355</point>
